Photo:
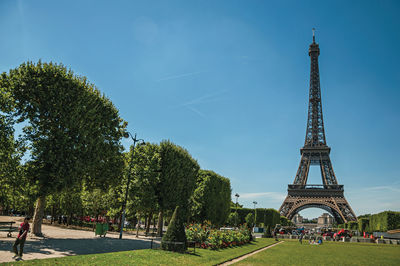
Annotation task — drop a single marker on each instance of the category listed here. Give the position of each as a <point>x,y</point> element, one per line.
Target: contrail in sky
<point>203,99</point>
<point>180,76</point>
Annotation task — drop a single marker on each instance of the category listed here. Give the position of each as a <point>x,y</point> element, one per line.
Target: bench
<point>8,227</point>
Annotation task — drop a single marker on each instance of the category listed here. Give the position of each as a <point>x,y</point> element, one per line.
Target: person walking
<point>23,232</point>
<point>301,238</point>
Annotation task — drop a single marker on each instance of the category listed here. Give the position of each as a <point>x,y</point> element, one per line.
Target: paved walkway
<point>59,242</point>
<point>249,254</point>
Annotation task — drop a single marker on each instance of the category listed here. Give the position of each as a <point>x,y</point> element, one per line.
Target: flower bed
<point>206,237</point>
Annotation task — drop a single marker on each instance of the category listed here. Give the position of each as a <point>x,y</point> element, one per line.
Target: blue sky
<point>228,80</point>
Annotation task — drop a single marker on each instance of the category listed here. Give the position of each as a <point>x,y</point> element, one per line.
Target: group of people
<point>311,241</point>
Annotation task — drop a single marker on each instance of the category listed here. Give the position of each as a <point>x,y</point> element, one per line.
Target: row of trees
<point>69,158</point>
<point>380,222</point>
<point>259,216</point>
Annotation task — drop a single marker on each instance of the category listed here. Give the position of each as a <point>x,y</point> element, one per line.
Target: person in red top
<point>23,232</point>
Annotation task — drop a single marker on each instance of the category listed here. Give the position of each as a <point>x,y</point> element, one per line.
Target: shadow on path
<point>64,247</point>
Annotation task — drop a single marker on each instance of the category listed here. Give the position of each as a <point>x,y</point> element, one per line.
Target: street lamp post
<point>237,196</point>
<point>255,212</point>
<point>126,135</point>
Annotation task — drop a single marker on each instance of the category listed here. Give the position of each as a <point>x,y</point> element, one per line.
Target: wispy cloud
<point>191,108</point>
<point>180,76</point>
<point>207,98</point>
<point>378,188</point>
<point>374,199</point>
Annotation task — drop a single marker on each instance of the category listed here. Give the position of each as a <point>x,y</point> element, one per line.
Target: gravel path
<point>59,242</point>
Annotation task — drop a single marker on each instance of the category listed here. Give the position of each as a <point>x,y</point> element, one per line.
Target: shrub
<point>250,219</point>
<point>175,233</point>
<point>207,237</point>
<point>233,219</point>
<point>267,232</point>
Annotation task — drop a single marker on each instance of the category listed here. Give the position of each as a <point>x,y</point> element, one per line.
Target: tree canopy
<point>211,198</point>
<point>72,131</point>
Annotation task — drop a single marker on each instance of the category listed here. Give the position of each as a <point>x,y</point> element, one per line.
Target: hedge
<point>266,216</point>
<point>363,225</point>
<point>384,221</point>
<point>352,225</point>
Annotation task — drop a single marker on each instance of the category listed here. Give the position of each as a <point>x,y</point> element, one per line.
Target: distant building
<point>325,220</point>
<point>297,219</point>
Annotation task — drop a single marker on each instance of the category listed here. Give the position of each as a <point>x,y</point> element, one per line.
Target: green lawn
<point>156,257</point>
<point>330,253</point>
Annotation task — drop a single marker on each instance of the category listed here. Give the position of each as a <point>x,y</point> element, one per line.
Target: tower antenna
<point>313,35</point>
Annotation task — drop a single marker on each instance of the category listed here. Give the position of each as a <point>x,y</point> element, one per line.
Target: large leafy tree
<point>211,199</point>
<point>72,130</point>
<point>13,194</point>
<point>146,179</point>
<point>177,180</point>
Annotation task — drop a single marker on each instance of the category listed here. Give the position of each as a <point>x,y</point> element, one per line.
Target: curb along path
<point>248,254</point>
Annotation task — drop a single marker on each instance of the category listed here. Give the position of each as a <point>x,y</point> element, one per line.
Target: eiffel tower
<point>330,195</point>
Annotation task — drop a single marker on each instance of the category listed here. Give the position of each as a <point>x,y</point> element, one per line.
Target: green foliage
<point>207,237</point>
<point>211,198</point>
<point>178,177</point>
<point>352,225</point>
<point>363,224</point>
<point>175,233</point>
<point>233,205</point>
<point>233,219</point>
<point>285,221</point>
<point>267,232</point>
<point>265,216</point>
<point>384,221</point>
<point>73,131</point>
<point>364,216</point>
<point>13,195</point>
<point>144,190</point>
<point>250,219</point>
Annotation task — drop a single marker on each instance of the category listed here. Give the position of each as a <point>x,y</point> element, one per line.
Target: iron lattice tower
<point>330,195</point>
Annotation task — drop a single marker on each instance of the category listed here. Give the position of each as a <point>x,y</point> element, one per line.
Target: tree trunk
<point>120,222</point>
<point>154,224</point>
<point>138,226</point>
<point>53,214</point>
<point>148,223</point>
<point>160,224</point>
<point>38,216</point>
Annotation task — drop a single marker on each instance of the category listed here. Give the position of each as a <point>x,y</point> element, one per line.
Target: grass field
<point>155,257</point>
<point>330,253</point>
<point>287,253</point>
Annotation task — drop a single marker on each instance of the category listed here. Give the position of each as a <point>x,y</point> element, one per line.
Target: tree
<point>211,198</point>
<point>72,131</point>
<point>146,179</point>
<point>175,237</point>
<point>11,152</point>
<point>267,231</point>
<point>250,219</point>
<point>233,205</point>
<point>233,218</point>
<point>177,180</point>
<point>285,221</point>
